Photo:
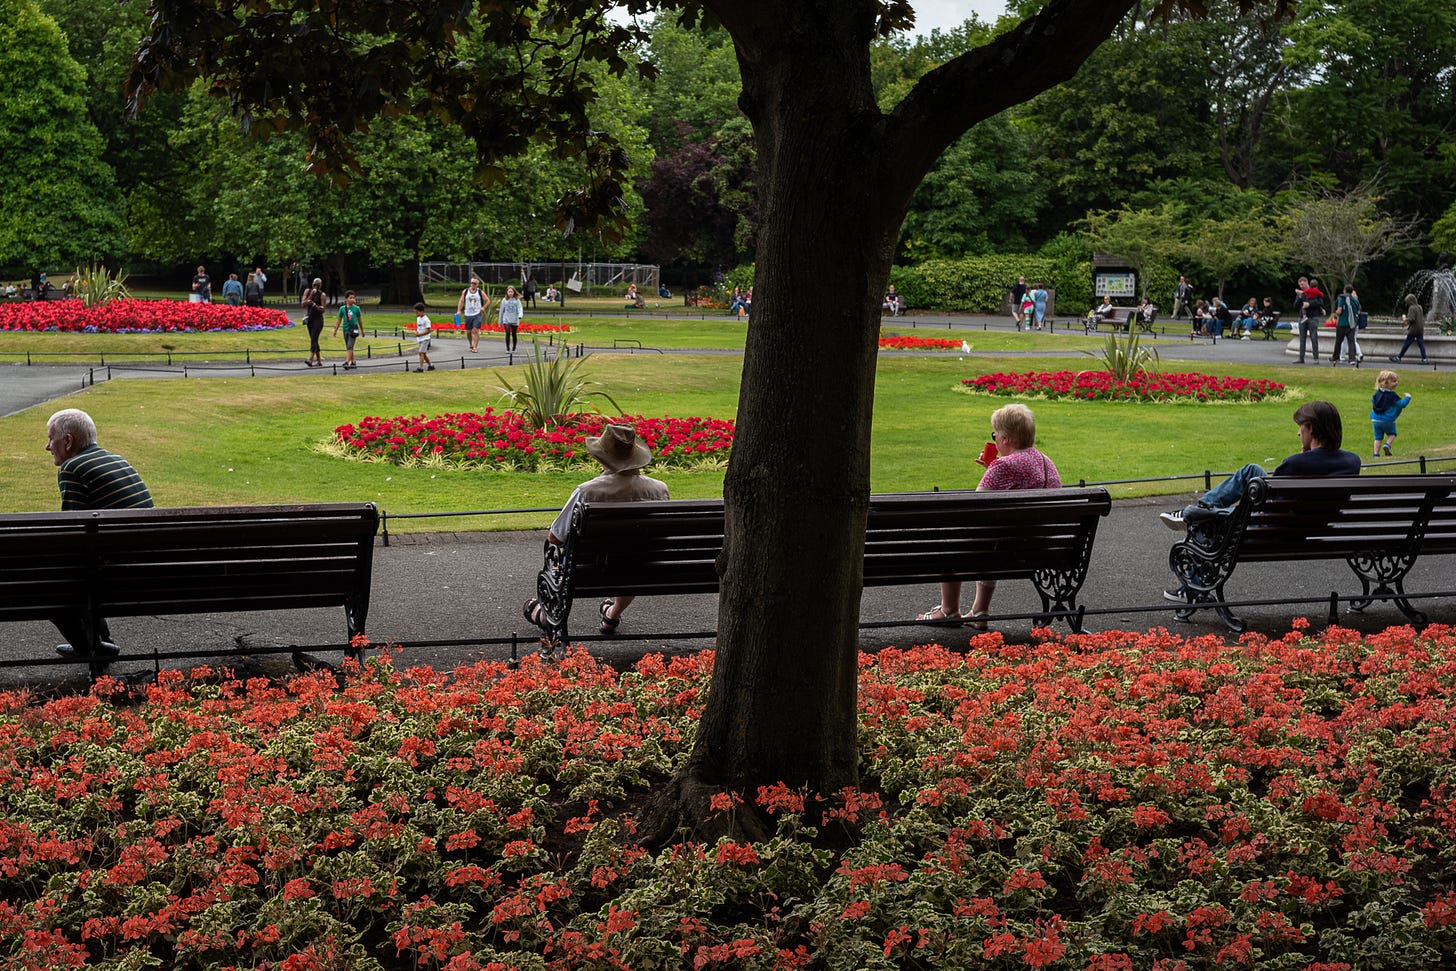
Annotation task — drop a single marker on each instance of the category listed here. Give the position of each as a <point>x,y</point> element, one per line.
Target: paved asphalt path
<point>444,595</point>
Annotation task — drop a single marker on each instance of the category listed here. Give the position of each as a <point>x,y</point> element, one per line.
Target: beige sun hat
<point>619,449</point>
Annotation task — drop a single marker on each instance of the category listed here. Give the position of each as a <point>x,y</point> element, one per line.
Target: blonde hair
<point>1017,423</point>
<point>1384,377</point>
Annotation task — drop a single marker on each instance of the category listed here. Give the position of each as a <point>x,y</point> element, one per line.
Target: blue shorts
<point>1383,428</point>
<point>472,321</point>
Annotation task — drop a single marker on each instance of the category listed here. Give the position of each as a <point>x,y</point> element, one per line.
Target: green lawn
<point>249,440</point>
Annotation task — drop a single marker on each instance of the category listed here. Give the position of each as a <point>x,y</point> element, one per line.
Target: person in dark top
<point>1018,290</point>
<point>1320,435</point>
<point>1320,456</point>
<point>89,477</point>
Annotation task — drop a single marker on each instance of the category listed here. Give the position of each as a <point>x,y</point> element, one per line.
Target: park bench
<point>139,562</point>
<point>1379,524</point>
<point>672,546</point>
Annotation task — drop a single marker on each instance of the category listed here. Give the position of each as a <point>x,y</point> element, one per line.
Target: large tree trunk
<point>835,178</point>
<point>782,705</point>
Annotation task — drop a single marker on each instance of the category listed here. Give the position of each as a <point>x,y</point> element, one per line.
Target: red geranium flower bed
<point>1121,801</point>
<point>901,342</point>
<point>501,441</point>
<point>137,317</point>
<point>1102,386</point>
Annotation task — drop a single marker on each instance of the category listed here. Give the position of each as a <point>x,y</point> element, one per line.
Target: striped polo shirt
<point>94,478</point>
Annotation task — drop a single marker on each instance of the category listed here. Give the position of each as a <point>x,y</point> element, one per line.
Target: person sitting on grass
<point>623,454</point>
<point>1320,456</point>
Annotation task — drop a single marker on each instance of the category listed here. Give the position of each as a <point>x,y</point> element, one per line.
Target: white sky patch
<point>947,14</point>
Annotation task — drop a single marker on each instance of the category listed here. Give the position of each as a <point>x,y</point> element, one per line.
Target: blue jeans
<point>1228,492</point>
<point>1418,339</point>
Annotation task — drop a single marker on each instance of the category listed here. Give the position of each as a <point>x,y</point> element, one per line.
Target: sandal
<point>938,612</point>
<point>609,625</point>
<point>977,620</point>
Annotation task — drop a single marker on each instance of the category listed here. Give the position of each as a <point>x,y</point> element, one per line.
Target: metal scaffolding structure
<point>575,276</point>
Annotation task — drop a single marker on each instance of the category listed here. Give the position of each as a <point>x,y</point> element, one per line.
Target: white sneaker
<point>1174,520</point>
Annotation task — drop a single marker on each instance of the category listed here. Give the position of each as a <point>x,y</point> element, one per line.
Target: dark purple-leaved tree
<point>835,177</point>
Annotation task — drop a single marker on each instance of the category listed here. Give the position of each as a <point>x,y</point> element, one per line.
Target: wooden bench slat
<point>671,546</point>
<point>1379,524</point>
<point>120,562</point>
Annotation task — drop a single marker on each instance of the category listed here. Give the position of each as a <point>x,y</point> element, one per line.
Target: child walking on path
<point>351,318</point>
<point>423,332</point>
<point>1385,408</point>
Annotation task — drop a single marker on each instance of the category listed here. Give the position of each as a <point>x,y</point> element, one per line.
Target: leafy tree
<point>61,206</point>
<point>695,85</point>
<point>1140,236</point>
<point>835,177</point>
<point>1336,234</point>
<point>700,200</point>
<point>1136,112</point>
<point>1379,103</point>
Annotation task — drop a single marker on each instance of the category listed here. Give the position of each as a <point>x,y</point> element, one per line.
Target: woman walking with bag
<point>314,301</point>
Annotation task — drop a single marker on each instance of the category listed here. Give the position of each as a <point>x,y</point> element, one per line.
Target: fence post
<point>384,523</point>
<point>1423,465</point>
<point>1207,480</point>
<point>1334,608</point>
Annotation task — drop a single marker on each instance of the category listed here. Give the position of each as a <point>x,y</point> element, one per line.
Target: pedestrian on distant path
<point>509,317</point>
<point>471,307</point>
<point>1018,293</point>
<point>201,287</point>
<point>1385,408</point>
<point>232,291</point>
<point>423,331</point>
<point>351,318</point>
<point>89,477</point>
<point>314,301</point>
<point>1311,318</point>
<point>1415,329</point>
<point>1347,315</point>
<point>1182,294</point>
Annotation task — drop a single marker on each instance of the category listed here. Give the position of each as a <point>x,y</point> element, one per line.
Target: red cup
<point>988,454</point>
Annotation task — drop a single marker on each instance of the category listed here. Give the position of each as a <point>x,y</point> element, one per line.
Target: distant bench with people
<point>672,547</point>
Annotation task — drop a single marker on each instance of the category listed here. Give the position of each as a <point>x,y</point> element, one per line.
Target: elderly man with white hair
<point>89,477</point>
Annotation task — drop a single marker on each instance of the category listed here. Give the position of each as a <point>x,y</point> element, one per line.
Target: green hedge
<point>979,284</point>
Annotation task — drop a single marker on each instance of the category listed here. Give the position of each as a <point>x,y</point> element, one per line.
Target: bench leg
<point>1382,577</point>
<point>1058,591</point>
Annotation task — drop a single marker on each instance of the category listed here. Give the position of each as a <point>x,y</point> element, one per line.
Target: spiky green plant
<point>1125,358</point>
<point>95,284</point>
<point>552,389</point>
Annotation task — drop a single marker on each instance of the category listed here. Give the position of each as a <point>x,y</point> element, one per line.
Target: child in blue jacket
<point>1385,408</point>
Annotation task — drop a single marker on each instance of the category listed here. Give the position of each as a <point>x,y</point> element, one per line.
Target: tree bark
<point>835,179</point>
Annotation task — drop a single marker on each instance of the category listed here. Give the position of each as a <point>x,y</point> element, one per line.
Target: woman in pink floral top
<point>1018,465</point>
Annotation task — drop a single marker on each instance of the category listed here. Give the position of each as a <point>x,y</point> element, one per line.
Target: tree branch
<point>1036,55</point>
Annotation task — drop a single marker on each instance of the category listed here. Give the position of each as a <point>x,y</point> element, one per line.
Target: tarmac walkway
<point>442,594</point>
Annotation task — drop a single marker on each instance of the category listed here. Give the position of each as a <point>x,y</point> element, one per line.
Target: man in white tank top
<point>472,306</point>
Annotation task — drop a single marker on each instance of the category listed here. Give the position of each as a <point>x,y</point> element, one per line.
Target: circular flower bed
<point>899,342</point>
<point>137,317</point>
<point>502,442</point>
<point>1101,386</point>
